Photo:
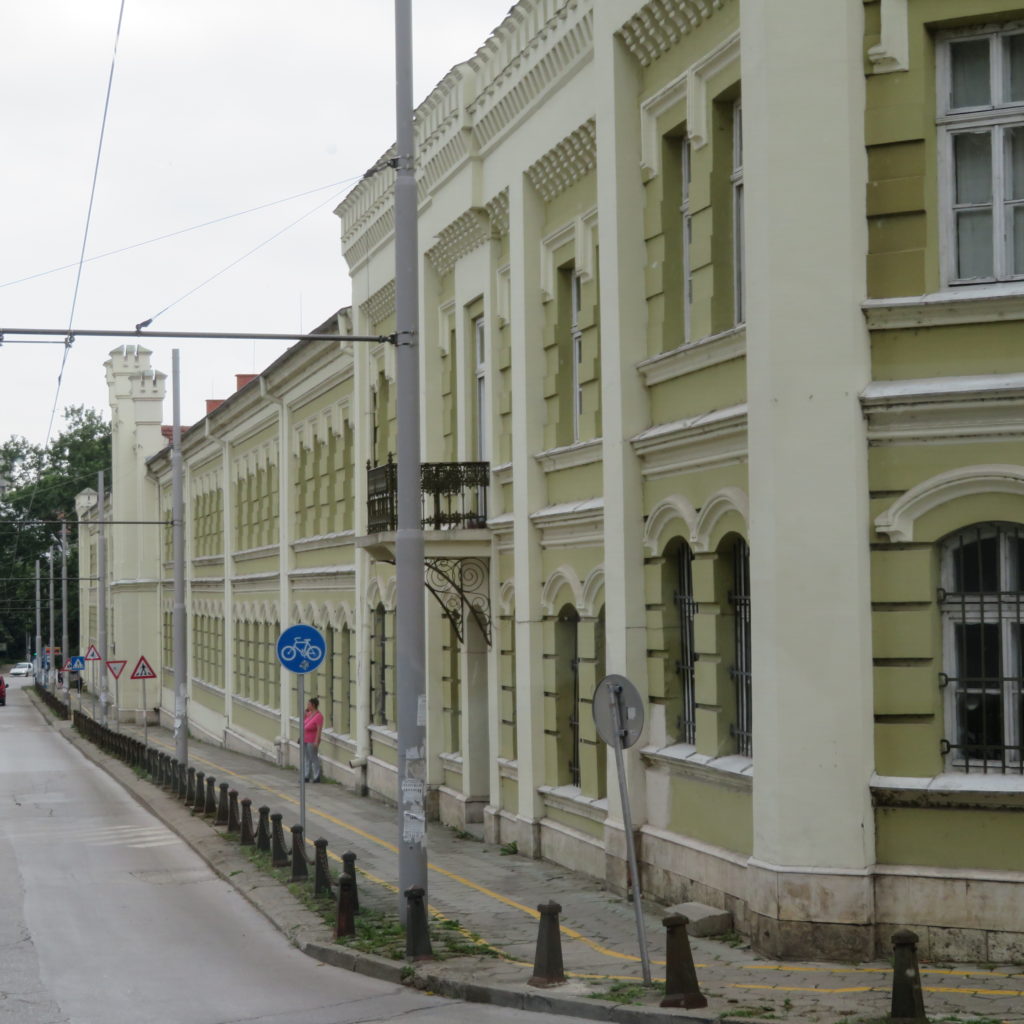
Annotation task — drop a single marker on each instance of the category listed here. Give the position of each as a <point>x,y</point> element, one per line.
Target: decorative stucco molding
<point>497,210</point>
<point>581,231</point>
<point>466,233</point>
<point>675,516</point>
<point>898,520</point>
<point>719,505</point>
<point>563,165</point>
<point>694,355</point>
<point>552,599</point>
<point>716,438</point>
<point>574,524</point>
<point>660,24</point>
<point>892,53</point>
<point>381,304</point>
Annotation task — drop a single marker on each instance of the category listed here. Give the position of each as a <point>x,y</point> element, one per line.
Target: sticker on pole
<point>92,654</point>
<point>301,648</point>
<point>143,670</point>
<point>117,667</point>
<point>76,664</point>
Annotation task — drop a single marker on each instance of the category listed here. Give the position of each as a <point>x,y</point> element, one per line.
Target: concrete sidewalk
<point>494,895</point>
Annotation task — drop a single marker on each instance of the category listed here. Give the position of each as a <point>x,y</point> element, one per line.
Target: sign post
<point>619,718</point>
<point>91,655</point>
<point>300,649</point>
<point>143,670</point>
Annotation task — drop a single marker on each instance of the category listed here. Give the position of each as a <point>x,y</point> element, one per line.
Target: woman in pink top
<point>312,727</point>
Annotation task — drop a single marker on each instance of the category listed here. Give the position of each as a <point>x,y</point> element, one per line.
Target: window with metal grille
<point>679,566</point>
<point>379,668</point>
<point>983,611</point>
<point>567,685</point>
<point>739,599</point>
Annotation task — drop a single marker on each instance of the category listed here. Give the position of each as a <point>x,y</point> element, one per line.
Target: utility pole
<point>101,557</point>
<point>178,544</point>
<point>51,675</point>
<point>410,642</point>
<point>39,629</point>
<point>64,607</point>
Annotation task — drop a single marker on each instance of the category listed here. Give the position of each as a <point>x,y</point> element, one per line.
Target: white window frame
<point>686,176</point>
<point>993,118</point>
<point>972,611</point>
<point>480,376</point>
<point>576,332</point>
<point>738,268</point>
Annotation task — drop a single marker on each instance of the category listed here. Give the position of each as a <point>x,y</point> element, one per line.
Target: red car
<point>3,691</point>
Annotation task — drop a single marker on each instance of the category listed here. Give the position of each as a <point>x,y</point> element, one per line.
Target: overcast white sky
<point>217,106</point>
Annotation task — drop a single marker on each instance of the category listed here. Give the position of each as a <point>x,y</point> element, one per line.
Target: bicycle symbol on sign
<point>304,649</point>
<point>300,648</point>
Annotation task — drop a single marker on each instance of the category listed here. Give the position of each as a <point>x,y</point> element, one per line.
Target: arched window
<point>739,601</point>
<point>680,607</point>
<point>982,614</point>
<point>379,668</point>
<point>567,695</point>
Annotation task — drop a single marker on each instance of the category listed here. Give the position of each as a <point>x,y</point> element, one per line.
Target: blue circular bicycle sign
<point>301,648</point>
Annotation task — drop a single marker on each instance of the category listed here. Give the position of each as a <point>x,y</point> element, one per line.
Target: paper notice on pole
<point>414,827</point>
<point>412,792</point>
<point>421,710</point>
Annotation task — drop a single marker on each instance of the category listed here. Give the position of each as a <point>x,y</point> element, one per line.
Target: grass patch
<point>509,849</point>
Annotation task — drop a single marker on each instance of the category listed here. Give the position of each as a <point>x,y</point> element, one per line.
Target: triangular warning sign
<point>92,654</point>
<point>143,670</point>
<point>116,668</point>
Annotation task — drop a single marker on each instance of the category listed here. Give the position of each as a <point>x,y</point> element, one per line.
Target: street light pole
<point>51,675</point>
<point>39,628</point>
<point>64,608</point>
<point>101,558</point>
<point>178,545</point>
<point>410,642</point>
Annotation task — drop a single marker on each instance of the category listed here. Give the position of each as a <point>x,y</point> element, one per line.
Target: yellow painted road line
<point>808,988</point>
<point>468,883</point>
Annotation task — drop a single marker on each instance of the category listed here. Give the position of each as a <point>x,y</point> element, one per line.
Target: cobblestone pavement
<point>494,896</point>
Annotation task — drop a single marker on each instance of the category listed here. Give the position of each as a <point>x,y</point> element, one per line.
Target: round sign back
<point>631,710</point>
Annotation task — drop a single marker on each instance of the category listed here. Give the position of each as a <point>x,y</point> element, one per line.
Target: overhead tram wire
<point>185,231</point>
<point>81,257</point>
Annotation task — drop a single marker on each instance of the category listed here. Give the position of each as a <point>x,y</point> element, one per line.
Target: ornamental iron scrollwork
<point>461,584</point>
<point>453,495</point>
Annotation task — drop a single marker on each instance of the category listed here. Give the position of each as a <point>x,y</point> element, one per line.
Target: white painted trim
<point>897,521</point>
<point>662,520</point>
<point>892,52</point>
<point>582,232</point>
<point>574,524</point>
<point>965,304</point>
<point>700,74</point>
<point>694,356</point>
<point>563,576</point>
<point>719,505</point>
<point>717,438</point>
<point>582,453</point>
<point>650,110</point>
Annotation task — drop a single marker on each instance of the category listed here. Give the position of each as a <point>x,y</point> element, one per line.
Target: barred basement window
<point>983,611</point>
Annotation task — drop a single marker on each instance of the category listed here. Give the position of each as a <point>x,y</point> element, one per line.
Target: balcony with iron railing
<point>453,496</point>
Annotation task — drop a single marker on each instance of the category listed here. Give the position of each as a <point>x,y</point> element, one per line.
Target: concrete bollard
<point>907,997</point>
<point>547,964</point>
<point>222,805</point>
<point>278,854</point>
<point>300,866</point>
<point>417,930</point>
<point>345,916</point>
<point>190,788</point>
<point>233,823</point>
<point>321,869</point>
<point>210,804</point>
<point>263,830</point>
<point>681,987</point>
<point>247,836</point>
<point>348,860</point>
<point>199,802</point>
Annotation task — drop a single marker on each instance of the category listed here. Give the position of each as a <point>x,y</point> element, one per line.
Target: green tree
<point>42,482</point>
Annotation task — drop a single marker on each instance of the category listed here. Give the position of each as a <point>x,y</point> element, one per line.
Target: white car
<point>23,668</point>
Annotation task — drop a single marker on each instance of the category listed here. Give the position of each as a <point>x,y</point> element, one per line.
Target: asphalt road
<point>106,917</point>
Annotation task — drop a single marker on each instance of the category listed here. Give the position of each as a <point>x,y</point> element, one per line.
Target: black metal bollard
<point>907,998</point>
<point>278,854</point>
<point>171,775</point>
<point>348,860</point>
<point>321,869</point>
<point>547,964</point>
<point>190,787</point>
<point>263,830</point>
<point>199,799</point>
<point>345,916</point>
<point>300,866</point>
<point>681,987</point>
<point>182,782</point>
<point>247,836</point>
<point>233,822</point>
<point>210,804</point>
<point>417,931</point>
<point>222,805</point>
